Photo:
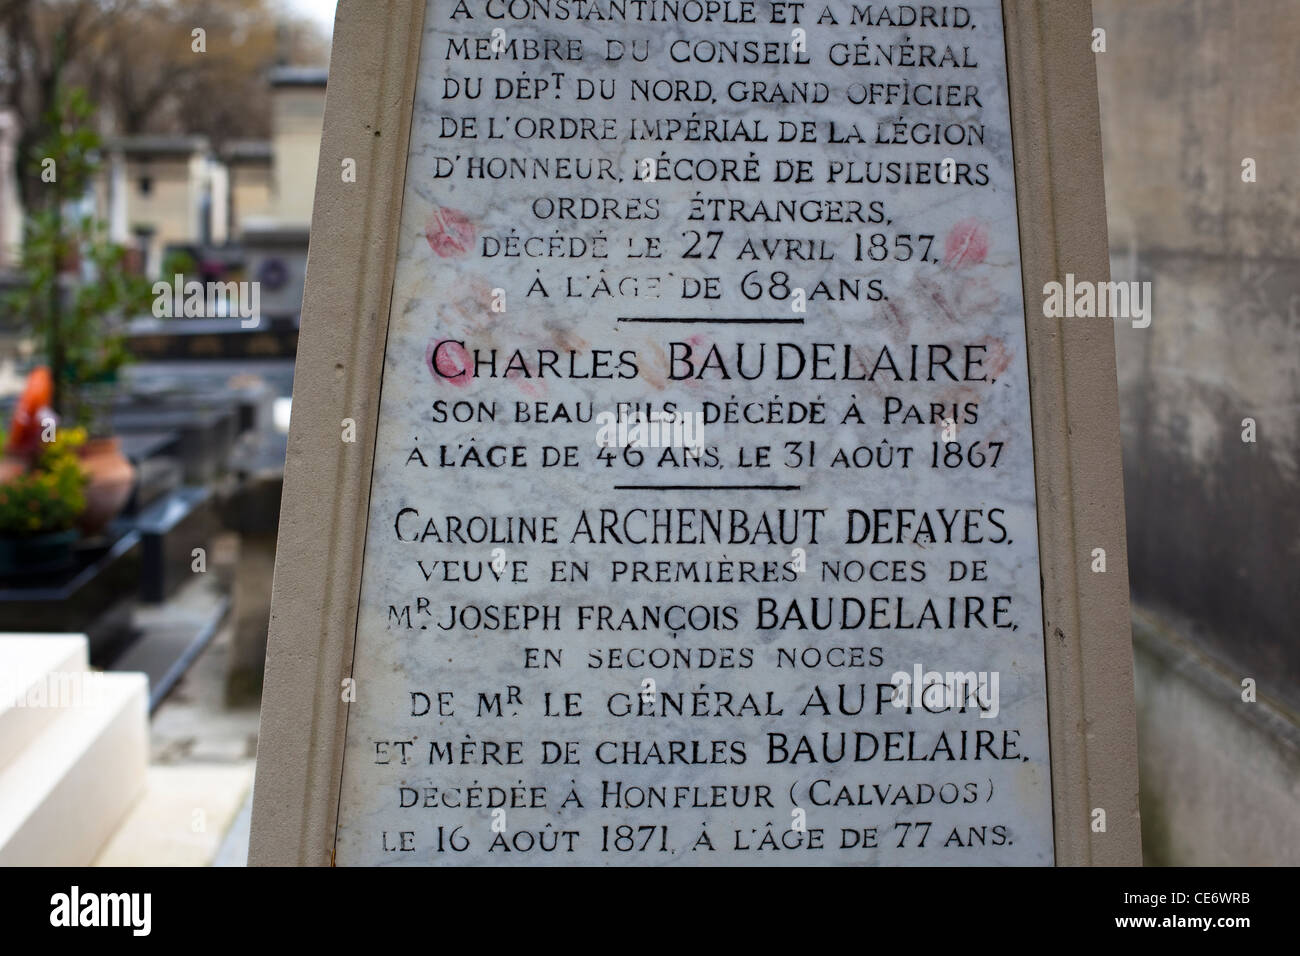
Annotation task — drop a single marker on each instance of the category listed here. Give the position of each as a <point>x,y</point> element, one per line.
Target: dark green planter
<point>38,554</point>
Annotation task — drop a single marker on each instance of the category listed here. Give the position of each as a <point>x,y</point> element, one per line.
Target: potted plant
<point>41,501</point>
<point>76,293</point>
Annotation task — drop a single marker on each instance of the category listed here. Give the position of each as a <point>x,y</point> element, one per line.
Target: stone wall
<point>1188,90</point>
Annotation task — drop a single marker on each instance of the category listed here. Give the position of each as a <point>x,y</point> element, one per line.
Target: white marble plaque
<point>702,525</point>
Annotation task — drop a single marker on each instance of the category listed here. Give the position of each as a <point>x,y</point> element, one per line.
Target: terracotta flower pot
<point>111,478</point>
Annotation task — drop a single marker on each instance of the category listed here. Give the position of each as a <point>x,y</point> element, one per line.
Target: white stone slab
<point>39,674</point>
<point>71,786</point>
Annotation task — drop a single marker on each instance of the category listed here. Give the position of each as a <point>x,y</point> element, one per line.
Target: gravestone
<point>682,468</point>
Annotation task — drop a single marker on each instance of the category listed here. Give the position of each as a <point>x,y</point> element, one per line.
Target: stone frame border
<point>326,498</point>
<point>1075,419</point>
<point>1074,401</point>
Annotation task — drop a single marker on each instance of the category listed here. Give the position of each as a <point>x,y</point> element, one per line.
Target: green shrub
<point>49,497</point>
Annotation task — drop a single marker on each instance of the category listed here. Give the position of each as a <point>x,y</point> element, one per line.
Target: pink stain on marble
<point>449,232</point>
<point>967,244</point>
